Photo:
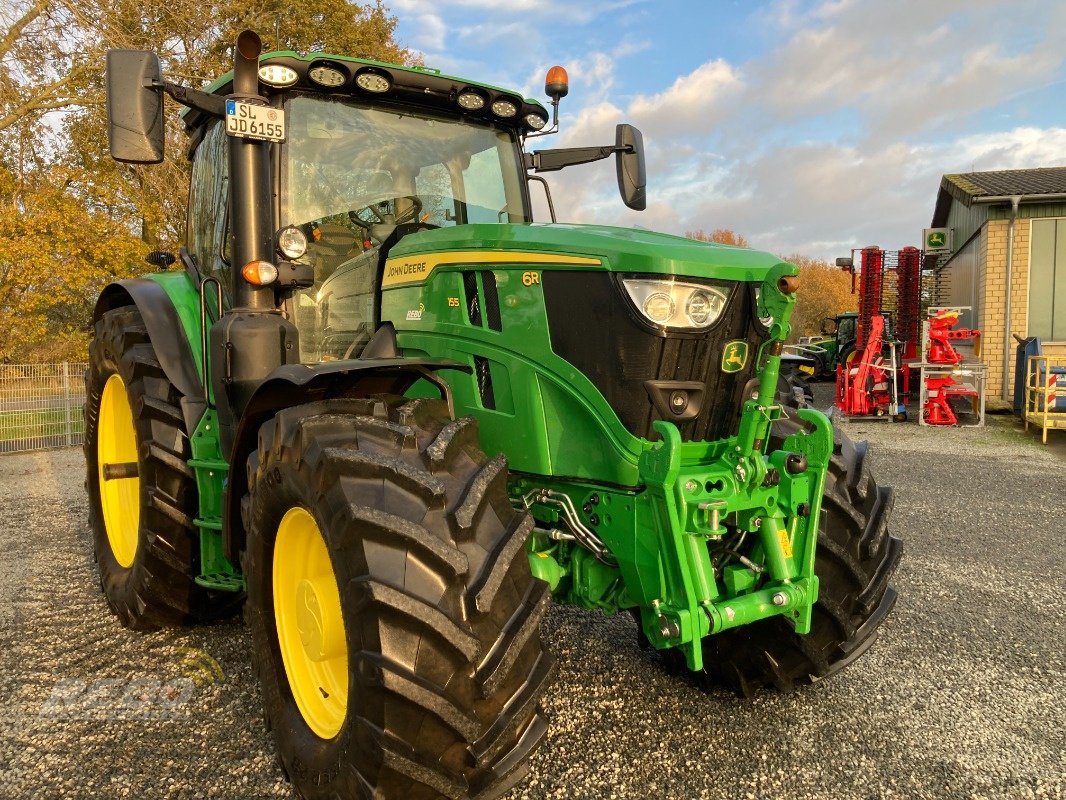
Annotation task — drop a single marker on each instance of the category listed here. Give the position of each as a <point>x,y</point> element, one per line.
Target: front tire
<point>141,512</point>
<point>855,558</point>
<point>431,645</point>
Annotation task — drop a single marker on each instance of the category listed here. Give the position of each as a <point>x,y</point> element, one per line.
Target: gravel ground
<point>962,696</point>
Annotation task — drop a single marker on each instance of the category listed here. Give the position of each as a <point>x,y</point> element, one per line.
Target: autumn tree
<point>825,291</point>
<point>71,218</point>
<point>720,236</point>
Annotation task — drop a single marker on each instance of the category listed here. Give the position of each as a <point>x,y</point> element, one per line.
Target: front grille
<point>593,327</point>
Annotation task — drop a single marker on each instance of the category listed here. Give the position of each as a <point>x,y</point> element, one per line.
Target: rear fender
<point>296,384</point>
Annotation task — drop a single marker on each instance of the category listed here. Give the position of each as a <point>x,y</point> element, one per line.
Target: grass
<point>49,422</point>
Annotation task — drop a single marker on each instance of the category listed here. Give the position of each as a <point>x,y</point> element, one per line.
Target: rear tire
<point>441,615</point>
<point>855,557</point>
<point>147,559</point>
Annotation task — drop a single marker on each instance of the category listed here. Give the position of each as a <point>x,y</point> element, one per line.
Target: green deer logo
<point>734,356</point>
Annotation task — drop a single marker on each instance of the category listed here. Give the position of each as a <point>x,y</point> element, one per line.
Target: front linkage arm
<point>702,493</point>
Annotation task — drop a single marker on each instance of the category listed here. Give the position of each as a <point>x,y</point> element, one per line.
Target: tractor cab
<point>843,329</point>
<point>354,173</point>
<point>368,154</point>
<point>356,178</point>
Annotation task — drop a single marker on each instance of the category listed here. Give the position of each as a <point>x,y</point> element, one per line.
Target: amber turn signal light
<point>259,273</point>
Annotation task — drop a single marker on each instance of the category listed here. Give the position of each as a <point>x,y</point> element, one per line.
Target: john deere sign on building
<point>937,240</point>
<point>1004,247</point>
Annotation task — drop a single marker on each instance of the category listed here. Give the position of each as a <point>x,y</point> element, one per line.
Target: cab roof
<point>414,85</point>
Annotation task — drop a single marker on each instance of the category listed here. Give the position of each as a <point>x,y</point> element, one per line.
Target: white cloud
<point>816,198</point>
<point>984,78</point>
<point>555,10</point>
<point>689,106</point>
<point>594,125</point>
<point>746,146</point>
<point>433,33</point>
<point>835,137</point>
<point>908,65</point>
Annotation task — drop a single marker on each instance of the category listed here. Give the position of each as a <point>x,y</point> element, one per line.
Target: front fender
<point>295,384</point>
<point>169,305</point>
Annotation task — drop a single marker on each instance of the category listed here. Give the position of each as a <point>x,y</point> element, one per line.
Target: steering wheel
<point>412,213</point>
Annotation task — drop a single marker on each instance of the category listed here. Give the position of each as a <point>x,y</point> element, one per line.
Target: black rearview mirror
<point>134,109</point>
<point>829,326</point>
<point>632,178</point>
<point>160,258</point>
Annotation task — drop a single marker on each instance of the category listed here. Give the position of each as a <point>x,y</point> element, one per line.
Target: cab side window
<point>207,231</point>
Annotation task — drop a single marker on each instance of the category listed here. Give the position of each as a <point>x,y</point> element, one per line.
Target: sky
<point>807,127</point>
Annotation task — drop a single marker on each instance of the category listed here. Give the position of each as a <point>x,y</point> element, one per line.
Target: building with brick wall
<point>1008,261</point>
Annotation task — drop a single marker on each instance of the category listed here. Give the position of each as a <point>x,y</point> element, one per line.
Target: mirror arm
<point>552,160</point>
<point>193,98</point>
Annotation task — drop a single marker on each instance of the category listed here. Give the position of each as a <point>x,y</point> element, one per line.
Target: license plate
<point>255,122</point>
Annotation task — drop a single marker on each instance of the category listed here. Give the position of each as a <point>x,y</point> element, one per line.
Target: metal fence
<point>41,406</point>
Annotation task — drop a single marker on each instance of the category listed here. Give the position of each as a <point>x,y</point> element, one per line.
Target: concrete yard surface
<point>963,695</point>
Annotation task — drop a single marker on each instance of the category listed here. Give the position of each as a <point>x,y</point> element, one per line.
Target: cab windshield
<point>357,178</point>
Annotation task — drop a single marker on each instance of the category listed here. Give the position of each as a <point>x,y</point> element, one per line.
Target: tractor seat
<point>335,246</point>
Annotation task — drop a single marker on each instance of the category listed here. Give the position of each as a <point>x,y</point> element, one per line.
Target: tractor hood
<point>617,249</point>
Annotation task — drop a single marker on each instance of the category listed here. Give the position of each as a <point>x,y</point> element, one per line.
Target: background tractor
<point>824,352</point>
<point>297,419</point>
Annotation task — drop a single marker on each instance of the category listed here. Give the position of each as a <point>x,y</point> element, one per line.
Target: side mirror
<point>160,258</point>
<point>632,179</point>
<point>134,109</point>
<point>829,326</point>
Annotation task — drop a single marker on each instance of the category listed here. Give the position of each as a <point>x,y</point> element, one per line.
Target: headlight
<point>658,307</point>
<point>470,100</point>
<point>260,273</point>
<point>672,304</point>
<point>698,308</point>
<point>536,121</point>
<point>291,242</point>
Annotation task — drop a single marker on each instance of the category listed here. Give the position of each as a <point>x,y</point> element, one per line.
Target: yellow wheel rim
<point>120,498</point>
<point>307,612</point>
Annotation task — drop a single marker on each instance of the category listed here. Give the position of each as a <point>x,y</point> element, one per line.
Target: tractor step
<point>211,472</point>
<point>221,582</point>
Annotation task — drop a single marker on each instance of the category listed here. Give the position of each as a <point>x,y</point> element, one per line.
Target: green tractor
<point>832,347</point>
<point>296,420</point>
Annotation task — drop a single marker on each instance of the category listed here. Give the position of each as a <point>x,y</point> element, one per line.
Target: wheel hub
<point>322,638</point>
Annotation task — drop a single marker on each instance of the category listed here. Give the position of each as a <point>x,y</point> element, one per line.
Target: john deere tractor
<point>296,418</point>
